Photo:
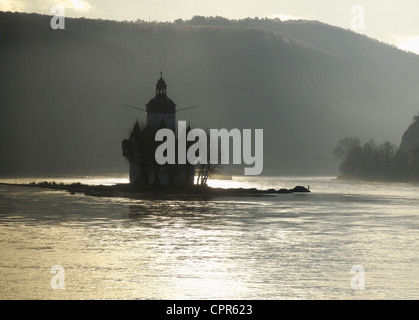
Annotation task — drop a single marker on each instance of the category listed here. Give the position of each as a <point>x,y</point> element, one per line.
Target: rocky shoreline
<point>157,192</point>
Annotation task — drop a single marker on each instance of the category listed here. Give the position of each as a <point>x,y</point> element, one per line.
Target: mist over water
<point>306,84</point>
<point>286,246</point>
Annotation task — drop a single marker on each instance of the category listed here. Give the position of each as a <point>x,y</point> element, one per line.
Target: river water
<point>344,240</point>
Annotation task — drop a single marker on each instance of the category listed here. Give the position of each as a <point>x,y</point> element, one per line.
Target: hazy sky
<point>391,21</point>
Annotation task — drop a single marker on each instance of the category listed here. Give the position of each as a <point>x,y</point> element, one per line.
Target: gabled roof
<point>136,131</point>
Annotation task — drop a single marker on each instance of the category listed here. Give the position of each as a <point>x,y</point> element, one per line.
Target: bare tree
<point>345,145</point>
<point>206,170</point>
<point>386,152</point>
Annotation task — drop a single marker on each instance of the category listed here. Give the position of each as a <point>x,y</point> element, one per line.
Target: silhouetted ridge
<point>63,90</point>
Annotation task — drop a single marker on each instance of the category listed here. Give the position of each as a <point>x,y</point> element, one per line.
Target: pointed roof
<point>161,84</point>
<point>136,131</point>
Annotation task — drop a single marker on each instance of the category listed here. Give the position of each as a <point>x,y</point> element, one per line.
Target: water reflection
<point>286,246</point>
<point>171,208</point>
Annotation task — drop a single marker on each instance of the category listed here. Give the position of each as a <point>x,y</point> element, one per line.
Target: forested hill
<point>305,83</point>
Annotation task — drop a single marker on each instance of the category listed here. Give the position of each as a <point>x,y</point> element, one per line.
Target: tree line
<point>385,161</point>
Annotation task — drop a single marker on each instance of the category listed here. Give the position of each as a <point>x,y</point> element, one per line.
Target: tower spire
<point>161,85</point>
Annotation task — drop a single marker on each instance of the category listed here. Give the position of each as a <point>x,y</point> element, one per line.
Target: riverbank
<point>126,190</point>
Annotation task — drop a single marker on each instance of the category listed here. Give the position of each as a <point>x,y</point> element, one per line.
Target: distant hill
<point>410,139</point>
<point>305,83</point>
<point>408,152</point>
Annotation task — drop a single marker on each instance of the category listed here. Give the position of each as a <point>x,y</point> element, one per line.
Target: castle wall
<point>154,120</point>
<point>134,171</point>
<point>184,174</point>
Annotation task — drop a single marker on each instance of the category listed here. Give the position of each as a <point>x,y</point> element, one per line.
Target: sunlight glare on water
<point>285,246</point>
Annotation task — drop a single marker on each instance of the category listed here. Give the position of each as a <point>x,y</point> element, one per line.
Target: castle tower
<point>138,149</point>
<point>161,111</point>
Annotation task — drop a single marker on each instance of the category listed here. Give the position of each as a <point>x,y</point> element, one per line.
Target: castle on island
<point>140,147</point>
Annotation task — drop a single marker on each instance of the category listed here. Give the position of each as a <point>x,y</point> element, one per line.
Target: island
<point>126,190</point>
